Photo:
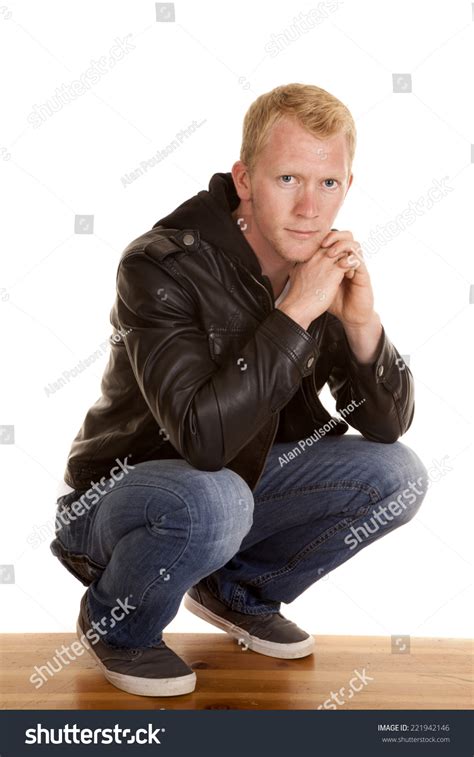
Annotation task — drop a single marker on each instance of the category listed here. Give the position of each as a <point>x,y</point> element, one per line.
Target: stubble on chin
<point>293,255</point>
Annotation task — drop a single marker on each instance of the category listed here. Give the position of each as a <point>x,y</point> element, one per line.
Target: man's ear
<point>241,179</point>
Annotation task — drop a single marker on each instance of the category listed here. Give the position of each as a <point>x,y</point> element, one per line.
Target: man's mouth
<point>302,234</point>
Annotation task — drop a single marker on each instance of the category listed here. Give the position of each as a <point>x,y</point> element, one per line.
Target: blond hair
<point>322,114</point>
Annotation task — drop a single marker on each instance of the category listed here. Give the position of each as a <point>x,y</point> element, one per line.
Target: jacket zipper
<point>265,289</point>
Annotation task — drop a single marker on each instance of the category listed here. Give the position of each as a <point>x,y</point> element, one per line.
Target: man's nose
<point>307,204</point>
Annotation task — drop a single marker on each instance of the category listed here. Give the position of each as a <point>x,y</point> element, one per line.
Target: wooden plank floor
<point>436,674</point>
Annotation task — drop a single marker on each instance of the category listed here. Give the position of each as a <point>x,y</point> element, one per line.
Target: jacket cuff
<point>381,366</point>
<point>292,338</point>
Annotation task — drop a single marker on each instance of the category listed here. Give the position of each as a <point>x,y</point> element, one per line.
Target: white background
<point>57,287</point>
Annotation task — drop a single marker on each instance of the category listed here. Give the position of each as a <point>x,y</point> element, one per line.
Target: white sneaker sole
<point>145,687</point>
<point>272,649</point>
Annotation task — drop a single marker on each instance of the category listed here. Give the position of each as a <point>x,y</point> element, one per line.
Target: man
<point>209,469</point>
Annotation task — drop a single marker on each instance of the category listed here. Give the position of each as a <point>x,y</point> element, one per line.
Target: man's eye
<point>286,176</point>
<point>334,182</point>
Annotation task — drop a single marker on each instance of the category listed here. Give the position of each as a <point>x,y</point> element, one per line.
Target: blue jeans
<point>166,525</point>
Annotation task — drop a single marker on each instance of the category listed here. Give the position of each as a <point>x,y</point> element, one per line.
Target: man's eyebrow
<point>287,171</point>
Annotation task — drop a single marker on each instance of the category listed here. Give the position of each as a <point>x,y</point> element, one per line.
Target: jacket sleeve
<point>383,389</point>
<point>209,411</point>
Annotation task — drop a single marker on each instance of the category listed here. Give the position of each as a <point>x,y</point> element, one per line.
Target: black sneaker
<point>270,633</point>
<point>151,672</point>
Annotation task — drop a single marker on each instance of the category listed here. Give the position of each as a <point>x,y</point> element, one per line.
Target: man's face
<point>298,185</point>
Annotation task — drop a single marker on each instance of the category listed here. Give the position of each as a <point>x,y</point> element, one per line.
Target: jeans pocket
<point>69,545</point>
<point>82,567</point>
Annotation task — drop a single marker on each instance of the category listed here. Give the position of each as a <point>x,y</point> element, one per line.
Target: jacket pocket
<point>69,552</point>
<point>224,344</point>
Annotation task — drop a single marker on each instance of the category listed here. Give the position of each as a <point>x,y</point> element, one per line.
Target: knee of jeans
<point>412,481</point>
<point>225,514</point>
<point>218,504</point>
<point>405,467</point>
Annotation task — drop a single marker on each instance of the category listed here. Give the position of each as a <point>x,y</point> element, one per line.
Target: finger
<point>357,250</point>
<point>350,260</point>
<point>334,236</point>
<point>346,245</point>
<point>354,260</point>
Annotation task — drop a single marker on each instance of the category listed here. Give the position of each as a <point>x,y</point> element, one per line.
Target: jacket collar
<point>209,212</point>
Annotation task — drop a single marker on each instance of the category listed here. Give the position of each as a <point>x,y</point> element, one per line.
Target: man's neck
<point>274,269</point>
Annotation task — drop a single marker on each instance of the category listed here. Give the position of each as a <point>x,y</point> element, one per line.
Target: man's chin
<point>297,256</point>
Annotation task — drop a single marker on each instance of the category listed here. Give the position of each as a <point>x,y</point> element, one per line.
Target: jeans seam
<point>238,603</point>
<point>219,599</point>
<point>309,548</point>
<point>144,598</point>
<point>94,508</point>
<point>344,484</point>
<point>238,596</point>
<point>143,601</point>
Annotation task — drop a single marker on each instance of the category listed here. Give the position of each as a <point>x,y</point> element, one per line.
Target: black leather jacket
<point>203,367</point>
